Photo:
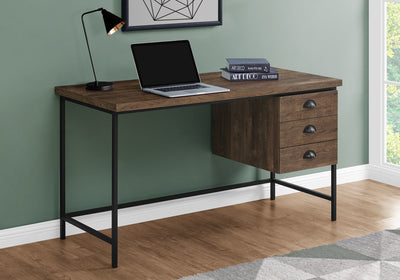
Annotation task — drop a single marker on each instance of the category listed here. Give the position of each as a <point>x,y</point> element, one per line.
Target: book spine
<point>249,76</point>
<point>249,68</point>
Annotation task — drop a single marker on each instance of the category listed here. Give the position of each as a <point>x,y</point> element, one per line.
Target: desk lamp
<point>112,24</point>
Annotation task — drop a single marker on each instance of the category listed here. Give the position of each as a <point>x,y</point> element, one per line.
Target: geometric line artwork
<point>374,256</point>
<point>168,10</point>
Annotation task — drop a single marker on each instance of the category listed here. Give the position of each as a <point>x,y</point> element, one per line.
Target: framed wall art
<point>155,14</point>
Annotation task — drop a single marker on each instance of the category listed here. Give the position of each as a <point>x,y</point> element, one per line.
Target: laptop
<point>169,69</point>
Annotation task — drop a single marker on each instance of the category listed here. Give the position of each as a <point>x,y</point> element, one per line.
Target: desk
<point>267,107</point>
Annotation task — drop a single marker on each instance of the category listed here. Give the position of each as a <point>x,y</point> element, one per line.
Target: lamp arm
<point>87,42</point>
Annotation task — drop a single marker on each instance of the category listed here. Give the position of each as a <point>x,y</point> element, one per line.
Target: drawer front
<point>308,131</point>
<point>307,156</point>
<point>309,105</point>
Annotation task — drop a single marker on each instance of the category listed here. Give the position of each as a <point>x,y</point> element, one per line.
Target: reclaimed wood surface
<point>127,95</point>
<point>291,159</point>
<point>247,131</point>
<point>268,133</point>
<point>292,133</point>
<point>291,107</point>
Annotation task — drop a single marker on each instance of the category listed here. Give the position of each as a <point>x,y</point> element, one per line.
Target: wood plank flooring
<point>194,243</point>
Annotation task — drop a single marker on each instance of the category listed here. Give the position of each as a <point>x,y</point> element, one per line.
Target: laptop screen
<point>165,63</point>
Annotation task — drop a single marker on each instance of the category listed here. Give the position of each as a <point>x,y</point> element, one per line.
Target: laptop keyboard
<point>177,88</point>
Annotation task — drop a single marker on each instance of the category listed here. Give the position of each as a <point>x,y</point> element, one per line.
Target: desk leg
<point>62,167</point>
<point>114,206</point>
<point>333,192</point>
<point>272,186</point>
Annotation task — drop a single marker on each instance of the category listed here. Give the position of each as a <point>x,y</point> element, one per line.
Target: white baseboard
<point>50,230</point>
<point>385,174</point>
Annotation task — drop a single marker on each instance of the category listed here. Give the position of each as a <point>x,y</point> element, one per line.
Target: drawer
<point>294,159</point>
<point>309,105</point>
<point>308,131</point>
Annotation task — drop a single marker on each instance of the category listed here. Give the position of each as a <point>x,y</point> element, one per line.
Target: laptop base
<point>205,89</point>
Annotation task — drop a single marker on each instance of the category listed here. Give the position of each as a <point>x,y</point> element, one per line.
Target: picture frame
<point>159,14</point>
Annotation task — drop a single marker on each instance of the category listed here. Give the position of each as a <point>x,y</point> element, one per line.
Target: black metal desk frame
<point>113,240</point>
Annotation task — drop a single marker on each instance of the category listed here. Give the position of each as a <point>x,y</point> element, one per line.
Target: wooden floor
<point>189,244</point>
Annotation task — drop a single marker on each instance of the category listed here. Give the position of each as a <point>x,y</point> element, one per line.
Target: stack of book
<point>249,69</point>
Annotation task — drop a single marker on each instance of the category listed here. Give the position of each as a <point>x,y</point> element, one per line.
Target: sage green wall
<point>161,152</point>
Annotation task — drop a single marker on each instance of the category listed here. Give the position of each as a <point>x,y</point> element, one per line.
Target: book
<point>234,76</point>
<point>254,65</point>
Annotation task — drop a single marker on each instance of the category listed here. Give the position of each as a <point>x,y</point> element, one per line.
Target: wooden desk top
<point>127,95</point>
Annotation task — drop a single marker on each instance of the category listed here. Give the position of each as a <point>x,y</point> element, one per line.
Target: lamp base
<point>101,86</point>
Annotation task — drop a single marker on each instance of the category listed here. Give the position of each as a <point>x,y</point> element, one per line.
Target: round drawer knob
<point>309,154</point>
<point>310,129</point>
<point>310,104</point>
